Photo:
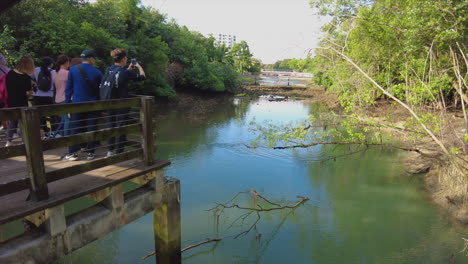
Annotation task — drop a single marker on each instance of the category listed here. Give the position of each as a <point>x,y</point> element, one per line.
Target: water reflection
<point>362,210</point>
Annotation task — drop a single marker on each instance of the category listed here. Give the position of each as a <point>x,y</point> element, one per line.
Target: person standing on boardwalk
<point>3,94</point>
<point>60,82</point>
<point>44,94</point>
<point>83,86</point>
<point>114,85</point>
<point>19,87</point>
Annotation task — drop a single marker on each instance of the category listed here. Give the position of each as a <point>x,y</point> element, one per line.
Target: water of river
<point>361,209</point>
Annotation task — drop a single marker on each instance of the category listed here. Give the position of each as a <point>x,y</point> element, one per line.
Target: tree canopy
<point>172,55</point>
<point>415,49</point>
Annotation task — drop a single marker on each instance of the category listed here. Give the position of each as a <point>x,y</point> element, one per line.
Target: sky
<point>273,29</point>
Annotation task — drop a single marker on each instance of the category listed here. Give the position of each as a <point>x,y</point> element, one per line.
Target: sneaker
<point>71,157</point>
<point>15,135</point>
<point>9,144</point>
<point>56,135</point>
<point>110,153</point>
<point>90,156</point>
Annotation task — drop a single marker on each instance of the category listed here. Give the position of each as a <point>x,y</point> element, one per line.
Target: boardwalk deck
<point>36,183</point>
<point>16,205</point>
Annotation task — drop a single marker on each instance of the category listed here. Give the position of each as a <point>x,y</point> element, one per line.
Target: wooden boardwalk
<point>16,205</point>
<point>35,184</point>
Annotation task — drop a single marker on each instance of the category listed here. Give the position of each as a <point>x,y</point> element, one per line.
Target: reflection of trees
<point>182,130</point>
<point>376,216</point>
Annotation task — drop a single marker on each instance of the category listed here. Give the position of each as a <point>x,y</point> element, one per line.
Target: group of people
<point>69,81</point>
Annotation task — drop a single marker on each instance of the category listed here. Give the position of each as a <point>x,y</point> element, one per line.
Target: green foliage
<point>242,58</point>
<point>405,46</point>
<point>8,48</point>
<point>455,150</point>
<point>173,56</point>
<point>320,128</point>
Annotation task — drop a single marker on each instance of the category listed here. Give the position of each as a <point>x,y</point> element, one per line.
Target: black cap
<point>46,61</point>
<point>87,54</point>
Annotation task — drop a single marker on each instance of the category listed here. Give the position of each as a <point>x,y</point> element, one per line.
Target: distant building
<point>228,40</point>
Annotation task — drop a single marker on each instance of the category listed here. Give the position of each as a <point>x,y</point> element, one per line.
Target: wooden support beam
<point>146,117</point>
<point>100,195</point>
<point>30,128</point>
<point>56,222</point>
<point>145,179</point>
<point>38,218</point>
<point>167,230</point>
<point>115,198</point>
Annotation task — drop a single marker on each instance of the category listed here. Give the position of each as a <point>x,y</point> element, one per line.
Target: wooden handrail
<point>33,147</point>
<point>58,109</point>
<point>10,113</point>
<point>12,151</point>
<point>102,134</point>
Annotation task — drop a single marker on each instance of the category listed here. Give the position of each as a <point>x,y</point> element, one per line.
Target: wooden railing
<point>33,147</point>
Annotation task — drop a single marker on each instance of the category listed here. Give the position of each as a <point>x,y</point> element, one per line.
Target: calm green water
<point>361,209</point>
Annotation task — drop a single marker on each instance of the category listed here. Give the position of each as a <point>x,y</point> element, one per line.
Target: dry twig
<point>187,247</point>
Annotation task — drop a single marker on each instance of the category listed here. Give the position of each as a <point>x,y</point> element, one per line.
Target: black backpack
<point>44,82</point>
<point>108,83</point>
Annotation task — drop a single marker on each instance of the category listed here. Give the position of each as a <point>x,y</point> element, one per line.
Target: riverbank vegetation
<point>172,55</point>
<point>401,55</point>
<point>298,65</point>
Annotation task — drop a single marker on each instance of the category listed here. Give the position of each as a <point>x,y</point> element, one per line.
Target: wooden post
<point>30,128</point>
<point>146,118</point>
<point>167,232</point>
<point>56,222</point>
<point>115,198</point>
<point>2,234</point>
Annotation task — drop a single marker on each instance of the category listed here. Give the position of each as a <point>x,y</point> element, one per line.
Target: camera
<point>134,61</point>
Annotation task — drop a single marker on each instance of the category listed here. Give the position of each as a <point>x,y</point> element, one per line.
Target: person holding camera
<point>114,85</point>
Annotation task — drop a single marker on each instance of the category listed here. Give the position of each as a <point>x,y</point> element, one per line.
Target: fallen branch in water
<point>257,209</point>
<point>465,247</point>
<point>348,143</point>
<point>187,247</point>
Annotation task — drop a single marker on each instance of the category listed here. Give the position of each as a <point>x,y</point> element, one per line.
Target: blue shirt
<point>78,89</point>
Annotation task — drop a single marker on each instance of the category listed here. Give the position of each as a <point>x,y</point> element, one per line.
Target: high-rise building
<point>228,40</point>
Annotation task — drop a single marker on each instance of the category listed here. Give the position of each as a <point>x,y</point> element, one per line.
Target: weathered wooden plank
<point>92,165</point>
<point>15,206</point>
<point>15,168</point>
<point>65,170</point>
<point>146,118</point>
<point>58,109</point>
<point>166,222</point>
<point>10,113</point>
<point>97,135</point>
<point>34,159</point>
<point>14,186</point>
<point>12,151</point>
